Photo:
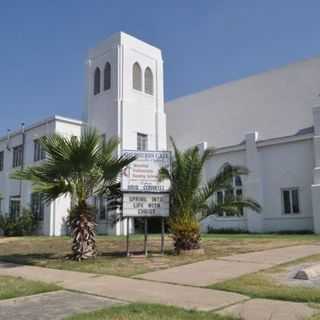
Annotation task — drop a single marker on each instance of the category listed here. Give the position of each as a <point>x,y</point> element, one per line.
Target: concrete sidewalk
<point>276,256</point>
<point>188,297</point>
<point>51,306</point>
<point>125,289</point>
<point>204,273</point>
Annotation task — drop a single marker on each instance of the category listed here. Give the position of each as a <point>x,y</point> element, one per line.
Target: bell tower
<point>125,92</point>
<point>125,100</point>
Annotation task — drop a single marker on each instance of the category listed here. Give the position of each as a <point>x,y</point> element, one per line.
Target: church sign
<point>142,175</point>
<point>144,195</point>
<point>145,205</point>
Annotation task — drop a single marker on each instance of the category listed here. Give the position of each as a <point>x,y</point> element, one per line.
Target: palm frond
<point>111,168</point>
<point>164,174</point>
<point>234,206</point>
<point>81,166</point>
<point>225,176</point>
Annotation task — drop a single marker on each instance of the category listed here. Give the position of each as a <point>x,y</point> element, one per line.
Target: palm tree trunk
<point>185,232</point>
<point>83,232</point>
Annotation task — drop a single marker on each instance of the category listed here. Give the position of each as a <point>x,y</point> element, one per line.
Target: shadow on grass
<point>28,258</point>
<point>46,258</point>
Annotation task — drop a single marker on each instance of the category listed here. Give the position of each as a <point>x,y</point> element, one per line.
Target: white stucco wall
<point>283,163</point>
<point>9,187</point>
<point>102,110</point>
<point>54,213</point>
<point>284,166</point>
<point>275,103</point>
<point>224,223</point>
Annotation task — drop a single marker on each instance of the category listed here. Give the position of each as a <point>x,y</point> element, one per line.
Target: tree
<point>191,199</point>
<point>80,168</point>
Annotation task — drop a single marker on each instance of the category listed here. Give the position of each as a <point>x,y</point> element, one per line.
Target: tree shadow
<point>43,259</point>
<point>29,259</point>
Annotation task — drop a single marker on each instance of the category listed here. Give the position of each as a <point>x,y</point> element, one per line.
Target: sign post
<point>128,250</point>
<point>145,236</point>
<point>143,194</point>
<point>162,235</point>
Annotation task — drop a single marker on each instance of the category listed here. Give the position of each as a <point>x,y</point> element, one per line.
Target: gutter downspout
<point>23,153</point>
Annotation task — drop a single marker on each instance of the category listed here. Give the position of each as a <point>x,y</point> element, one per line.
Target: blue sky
<point>43,45</point>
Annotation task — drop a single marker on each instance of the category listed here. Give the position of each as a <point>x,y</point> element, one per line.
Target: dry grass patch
<point>51,252</point>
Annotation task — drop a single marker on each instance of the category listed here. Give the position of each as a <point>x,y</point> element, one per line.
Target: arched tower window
<point>96,82</point>
<point>136,77</point>
<point>148,81</point>
<point>107,76</point>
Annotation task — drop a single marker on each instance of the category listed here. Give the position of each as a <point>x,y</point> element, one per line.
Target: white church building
<point>268,122</point>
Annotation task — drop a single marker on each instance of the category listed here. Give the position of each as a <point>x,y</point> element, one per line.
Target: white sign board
<point>142,175</point>
<point>145,205</point>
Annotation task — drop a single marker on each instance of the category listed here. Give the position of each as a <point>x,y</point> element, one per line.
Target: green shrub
<point>24,224</point>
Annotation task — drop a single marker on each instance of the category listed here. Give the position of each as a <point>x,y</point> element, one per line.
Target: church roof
<point>275,103</point>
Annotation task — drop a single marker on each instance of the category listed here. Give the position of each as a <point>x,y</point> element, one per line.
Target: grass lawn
<point>11,287</point>
<point>147,312</point>
<point>266,284</point>
<point>51,252</point>
<point>315,317</point>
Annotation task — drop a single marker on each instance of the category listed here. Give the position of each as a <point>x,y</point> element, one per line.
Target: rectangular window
<point>295,201</point>
<point>39,153</point>
<point>14,207</point>
<point>290,200</point>
<point>220,202</point>
<point>37,206</point>
<point>17,159</point>
<point>220,197</point>
<point>238,194</point>
<point>286,201</point>
<point>142,142</point>
<point>100,204</point>
<point>1,160</point>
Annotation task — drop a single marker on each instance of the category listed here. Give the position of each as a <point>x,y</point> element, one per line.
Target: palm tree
<point>80,168</point>
<point>191,199</point>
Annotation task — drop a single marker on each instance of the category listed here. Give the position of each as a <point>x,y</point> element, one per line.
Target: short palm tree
<point>191,199</point>
<point>81,168</point>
